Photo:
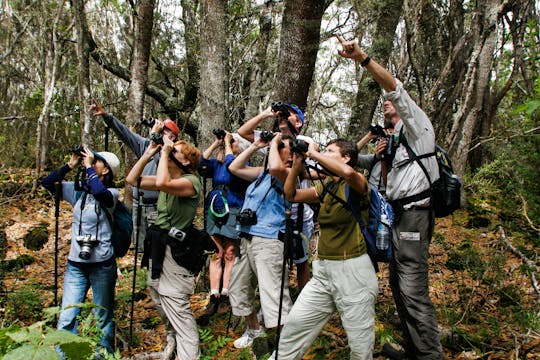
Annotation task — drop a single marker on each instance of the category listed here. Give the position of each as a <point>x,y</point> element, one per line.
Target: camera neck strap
<point>84,195</point>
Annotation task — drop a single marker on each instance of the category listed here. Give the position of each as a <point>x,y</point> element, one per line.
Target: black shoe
<point>224,305</point>
<point>212,306</point>
<point>394,353</point>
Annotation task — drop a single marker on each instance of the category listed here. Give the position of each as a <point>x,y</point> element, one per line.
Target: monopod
<point>137,231</point>
<point>286,255</point>
<point>57,196</point>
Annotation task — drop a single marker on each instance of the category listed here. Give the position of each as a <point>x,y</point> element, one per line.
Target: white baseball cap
<point>110,159</point>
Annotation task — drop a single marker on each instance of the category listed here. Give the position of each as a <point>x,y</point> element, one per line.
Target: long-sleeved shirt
<point>138,145</point>
<point>89,217</point>
<point>406,178</point>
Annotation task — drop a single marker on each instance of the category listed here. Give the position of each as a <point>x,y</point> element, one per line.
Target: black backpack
<point>445,191</point>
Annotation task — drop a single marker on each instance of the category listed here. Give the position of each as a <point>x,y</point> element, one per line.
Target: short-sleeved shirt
<point>341,237</point>
<point>178,211</point>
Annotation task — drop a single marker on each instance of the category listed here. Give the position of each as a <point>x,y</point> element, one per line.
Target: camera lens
<point>86,252</point>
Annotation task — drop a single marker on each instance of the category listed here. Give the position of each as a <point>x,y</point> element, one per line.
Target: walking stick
<point>107,138</point>
<point>286,255</point>
<point>137,231</point>
<point>57,195</point>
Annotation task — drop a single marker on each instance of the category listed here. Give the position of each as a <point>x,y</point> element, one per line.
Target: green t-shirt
<point>178,211</point>
<point>341,237</point>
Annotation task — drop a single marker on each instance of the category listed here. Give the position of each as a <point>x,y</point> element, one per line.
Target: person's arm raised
<point>247,131</point>
<point>351,50</point>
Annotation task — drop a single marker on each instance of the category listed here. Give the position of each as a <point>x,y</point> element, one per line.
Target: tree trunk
<point>477,83</point>
<point>213,86</point>
<point>387,15</point>
<point>299,44</point>
<point>83,71</point>
<point>256,91</point>
<point>52,64</point>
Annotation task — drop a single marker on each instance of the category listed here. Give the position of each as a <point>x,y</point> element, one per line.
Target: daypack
<point>377,207</point>
<point>121,224</point>
<point>445,191</point>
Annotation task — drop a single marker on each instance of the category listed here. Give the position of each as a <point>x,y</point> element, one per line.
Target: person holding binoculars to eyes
<point>91,260</point>
<point>148,206</point>
<point>262,225</point>
<point>223,205</point>
<point>179,188</point>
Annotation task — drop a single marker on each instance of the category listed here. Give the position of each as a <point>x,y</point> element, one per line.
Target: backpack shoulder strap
<point>414,157</point>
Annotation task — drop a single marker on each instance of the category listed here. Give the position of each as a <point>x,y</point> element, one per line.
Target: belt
<point>246,236</point>
<point>149,201</point>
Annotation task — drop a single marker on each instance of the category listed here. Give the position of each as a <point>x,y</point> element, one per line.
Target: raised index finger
<point>340,39</point>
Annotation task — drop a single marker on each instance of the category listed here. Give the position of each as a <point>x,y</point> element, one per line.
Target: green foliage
<point>25,304</point>
<point>210,345</point>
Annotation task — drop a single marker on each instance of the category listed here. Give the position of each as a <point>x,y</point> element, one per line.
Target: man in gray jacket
<point>408,190</point>
<point>148,207</point>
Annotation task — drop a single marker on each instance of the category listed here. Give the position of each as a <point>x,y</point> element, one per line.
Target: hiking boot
<point>246,340</point>
<point>394,352</point>
<point>212,306</point>
<point>224,305</point>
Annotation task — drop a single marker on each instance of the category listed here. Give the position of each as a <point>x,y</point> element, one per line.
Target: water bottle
<point>382,241</point>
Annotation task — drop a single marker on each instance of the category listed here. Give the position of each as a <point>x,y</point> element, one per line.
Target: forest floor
<point>485,299</point>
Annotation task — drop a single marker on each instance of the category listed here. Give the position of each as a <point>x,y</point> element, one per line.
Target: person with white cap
<point>91,260</point>
<point>148,207</point>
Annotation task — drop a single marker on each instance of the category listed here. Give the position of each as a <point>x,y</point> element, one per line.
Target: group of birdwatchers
<point>251,212</point>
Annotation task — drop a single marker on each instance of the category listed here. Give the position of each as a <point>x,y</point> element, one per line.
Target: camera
<point>177,234</point>
<point>76,149</point>
<point>281,108</point>
<point>219,133</point>
<point>377,130</point>
<point>157,138</point>
<point>266,135</point>
<point>299,146</point>
<point>247,217</point>
<point>87,243</point>
<point>392,143</point>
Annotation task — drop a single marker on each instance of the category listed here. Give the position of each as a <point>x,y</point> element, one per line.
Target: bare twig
<point>535,228</point>
<point>525,259</point>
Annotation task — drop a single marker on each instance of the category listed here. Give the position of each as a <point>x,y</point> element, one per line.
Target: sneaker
<point>246,340</point>
<point>224,305</point>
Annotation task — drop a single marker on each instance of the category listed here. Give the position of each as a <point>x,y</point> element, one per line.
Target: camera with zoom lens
<point>87,243</point>
<point>157,138</point>
<point>266,135</point>
<point>177,234</point>
<point>247,217</point>
<point>299,146</point>
<point>281,108</point>
<point>389,152</point>
<point>219,133</point>
<point>77,150</point>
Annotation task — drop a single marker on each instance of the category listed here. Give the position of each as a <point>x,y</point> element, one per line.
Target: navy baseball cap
<point>297,110</point>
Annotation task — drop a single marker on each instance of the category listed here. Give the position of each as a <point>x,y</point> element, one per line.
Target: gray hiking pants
<point>410,285</point>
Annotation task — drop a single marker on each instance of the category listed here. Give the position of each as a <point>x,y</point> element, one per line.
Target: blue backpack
<point>121,224</point>
<point>377,207</point>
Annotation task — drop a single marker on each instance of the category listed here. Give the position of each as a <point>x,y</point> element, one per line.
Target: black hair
<point>108,179</point>
<point>346,148</point>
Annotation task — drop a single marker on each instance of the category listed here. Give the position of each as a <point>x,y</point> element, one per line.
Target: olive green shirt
<point>341,237</point>
<point>178,211</point>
